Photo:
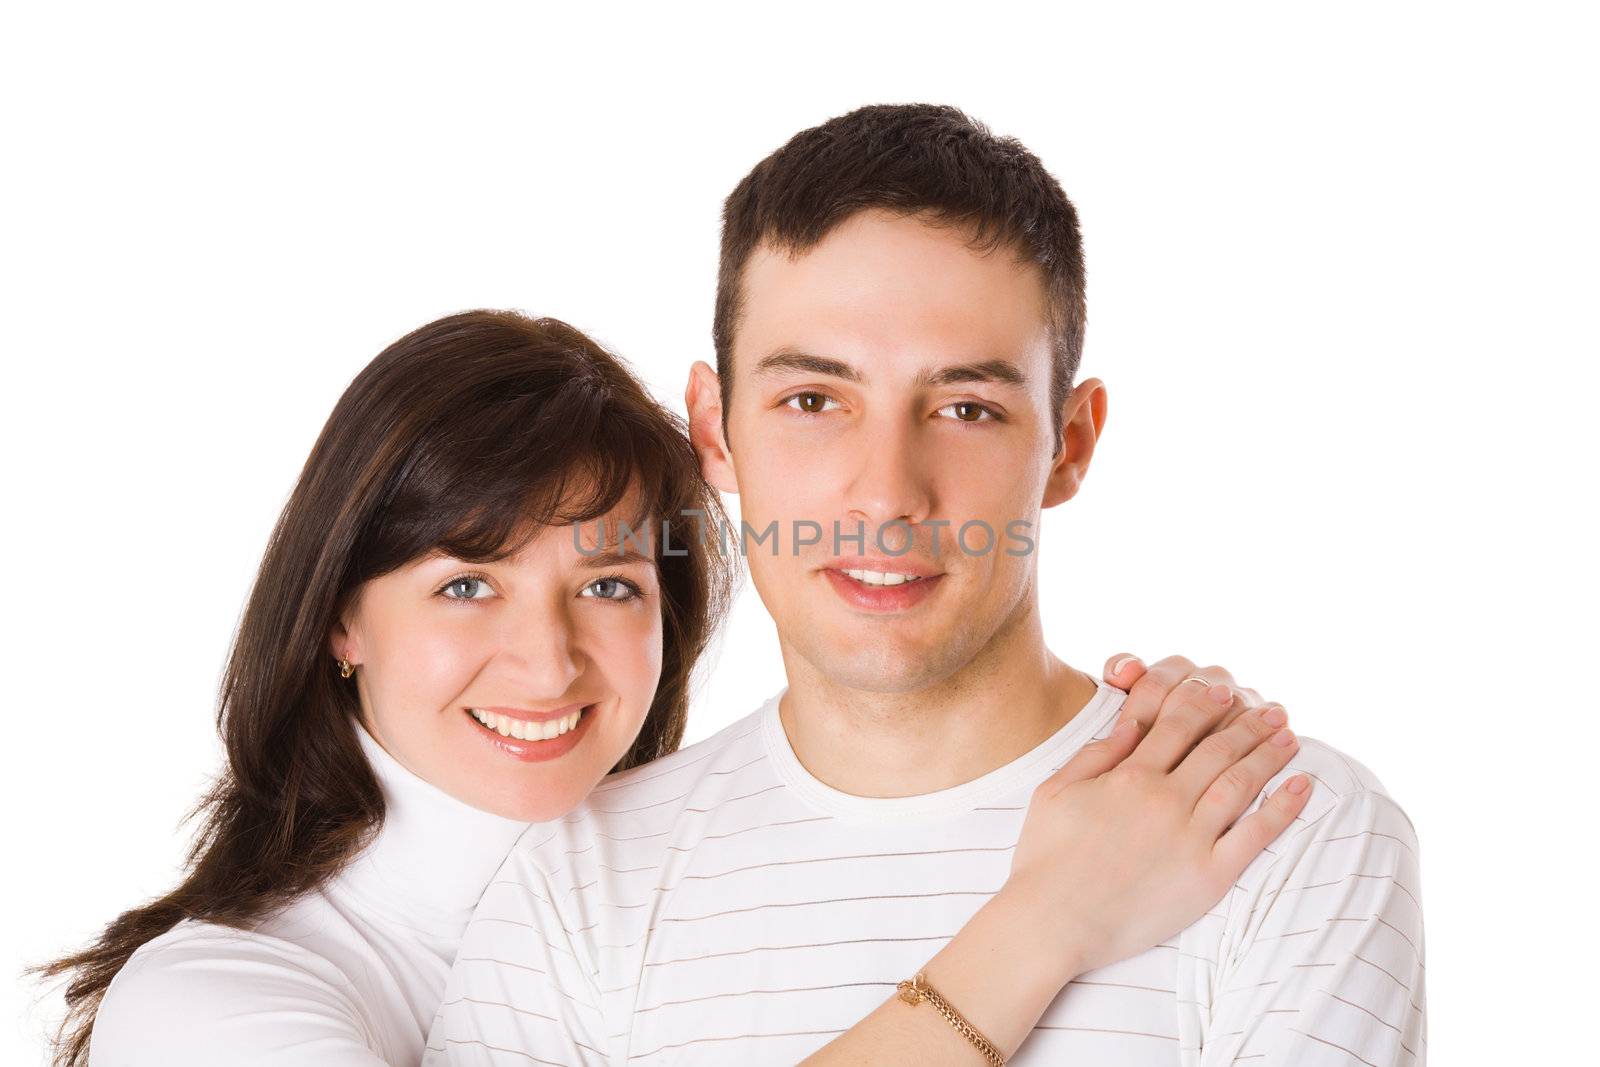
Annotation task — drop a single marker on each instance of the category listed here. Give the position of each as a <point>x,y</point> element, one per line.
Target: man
<point>899,318</point>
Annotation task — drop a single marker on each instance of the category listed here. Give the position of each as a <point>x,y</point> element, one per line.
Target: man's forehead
<point>915,232</point>
<point>893,279</point>
<point>926,344</point>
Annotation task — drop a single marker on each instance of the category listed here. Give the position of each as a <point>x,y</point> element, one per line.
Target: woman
<point>364,808</point>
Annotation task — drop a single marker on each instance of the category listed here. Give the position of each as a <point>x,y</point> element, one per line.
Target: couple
<point>937,844</point>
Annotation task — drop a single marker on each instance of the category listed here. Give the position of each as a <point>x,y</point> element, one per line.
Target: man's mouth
<point>878,588</point>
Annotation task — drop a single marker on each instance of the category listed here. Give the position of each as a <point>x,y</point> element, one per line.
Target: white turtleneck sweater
<point>348,976</point>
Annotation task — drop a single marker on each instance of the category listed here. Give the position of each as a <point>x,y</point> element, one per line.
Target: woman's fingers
<point>1149,687</point>
<point>1244,702</point>
<point>1123,669</point>
<point>1222,749</point>
<point>1232,791</point>
<point>1191,711</point>
<point>1095,758</point>
<point>1236,848</point>
<point>1249,699</point>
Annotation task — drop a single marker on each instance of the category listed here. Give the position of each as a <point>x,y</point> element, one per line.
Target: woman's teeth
<point>883,577</point>
<point>525,729</point>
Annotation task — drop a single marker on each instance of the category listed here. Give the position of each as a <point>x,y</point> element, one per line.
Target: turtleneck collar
<point>434,855</point>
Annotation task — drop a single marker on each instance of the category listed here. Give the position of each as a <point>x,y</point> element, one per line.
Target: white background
<point>1342,291</point>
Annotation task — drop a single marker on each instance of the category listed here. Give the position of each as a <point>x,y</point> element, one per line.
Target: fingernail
<point>1220,693</point>
<point>1121,664</point>
<point>1283,738</point>
<point>1127,726</point>
<point>1297,784</point>
<point>1274,716</point>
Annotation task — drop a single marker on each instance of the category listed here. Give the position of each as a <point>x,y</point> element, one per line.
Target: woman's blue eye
<point>611,589</point>
<point>473,583</point>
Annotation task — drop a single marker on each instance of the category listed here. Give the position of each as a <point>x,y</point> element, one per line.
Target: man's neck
<point>1006,701</point>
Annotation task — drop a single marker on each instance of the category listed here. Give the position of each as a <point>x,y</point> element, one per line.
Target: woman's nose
<point>539,651</point>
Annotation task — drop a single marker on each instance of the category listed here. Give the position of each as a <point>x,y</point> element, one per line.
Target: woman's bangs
<point>507,507</point>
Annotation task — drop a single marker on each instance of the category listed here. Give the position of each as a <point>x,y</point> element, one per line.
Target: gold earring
<point>346,668</point>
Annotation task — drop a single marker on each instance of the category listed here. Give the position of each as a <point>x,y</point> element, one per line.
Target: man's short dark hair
<point>910,159</point>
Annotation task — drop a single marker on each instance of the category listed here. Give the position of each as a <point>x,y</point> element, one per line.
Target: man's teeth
<point>525,729</point>
<point>883,577</point>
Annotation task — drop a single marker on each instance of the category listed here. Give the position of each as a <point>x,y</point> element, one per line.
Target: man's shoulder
<point>674,772</point>
<point>1319,943</point>
<point>1350,821</point>
<point>630,812</point>
<point>1339,780</point>
<point>1337,771</point>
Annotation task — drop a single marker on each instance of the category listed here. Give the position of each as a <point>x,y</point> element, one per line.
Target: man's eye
<point>968,411</point>
<point>472,586</point>
<point>809,403</point>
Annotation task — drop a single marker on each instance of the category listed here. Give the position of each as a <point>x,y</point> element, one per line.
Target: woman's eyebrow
<point>615,557</point>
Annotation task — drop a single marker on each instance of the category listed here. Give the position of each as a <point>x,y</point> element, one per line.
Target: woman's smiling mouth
<point>532,736</point>
<point>526,729</point>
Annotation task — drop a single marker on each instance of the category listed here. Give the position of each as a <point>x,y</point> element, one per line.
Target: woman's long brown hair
<point>466,435</point>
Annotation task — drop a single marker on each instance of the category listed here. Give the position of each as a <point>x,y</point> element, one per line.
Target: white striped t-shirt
<point>723,906</point>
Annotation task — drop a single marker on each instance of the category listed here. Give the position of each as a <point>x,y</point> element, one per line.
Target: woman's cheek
<point>434,665</point>
<point>429,670</point>
<point>633,659</point>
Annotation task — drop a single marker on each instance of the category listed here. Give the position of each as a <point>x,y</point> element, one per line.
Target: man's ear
<point>703,400</point>
<point>1083,417</point>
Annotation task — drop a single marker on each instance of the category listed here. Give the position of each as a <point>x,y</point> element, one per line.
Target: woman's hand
<point>1159,688</point>
<point>1139,834</point>
<point>1136,837</point>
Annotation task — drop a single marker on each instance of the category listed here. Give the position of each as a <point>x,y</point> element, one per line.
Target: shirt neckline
<point>434,855</point>
<point>1027,770</point>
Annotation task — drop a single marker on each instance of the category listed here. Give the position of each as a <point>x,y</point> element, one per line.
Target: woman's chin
<point>529,798</point>
<point>531,780</point>
<point>542,808</point>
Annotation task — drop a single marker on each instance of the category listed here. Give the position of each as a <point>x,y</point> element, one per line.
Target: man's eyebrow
<point>990,370</point>
<point>1003,371</point>
<point>614,557</point>
<point>792,359</point>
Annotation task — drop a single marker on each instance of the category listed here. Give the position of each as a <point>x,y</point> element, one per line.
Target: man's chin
<point>882,670</point>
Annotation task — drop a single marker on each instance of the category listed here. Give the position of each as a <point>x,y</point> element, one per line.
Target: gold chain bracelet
<point>914,990</point>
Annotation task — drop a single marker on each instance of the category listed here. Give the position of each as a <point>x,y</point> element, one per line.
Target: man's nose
<point>889,481</point>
